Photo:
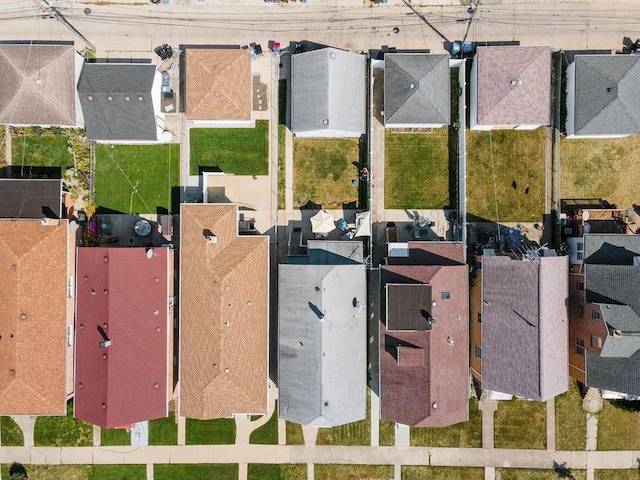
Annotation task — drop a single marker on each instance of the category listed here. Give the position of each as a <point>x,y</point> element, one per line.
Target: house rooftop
<point>122,297</point>
<point>224,314</point>
<point>38,84</point>
<point>416,89</point>
<point>408,307</point>
<point>513,85</point>
<point>218,84</point>
<point>606,98</point>
<point>34,198</point>
<point>117,102</point>
<point>524,326</point>
<point>33,259</point>
<point>322,359</point>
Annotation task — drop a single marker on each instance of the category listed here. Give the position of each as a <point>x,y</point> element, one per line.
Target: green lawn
<point>82,472</point>
<point>63,431</point>
<point>630,474</point>
<point>196,471</point>
<point>461,435</point>
<point>352,472</point>
<point>221,431</point>
<point>288,471</point>
<point>241,151</point>
<point>323,171</point>
<point>599,168</point>
<point>10,433</point>
<point>531,474</point>
<point>144,173</point>
<point>497,159</point>
<point>268,433</point>
<point>351,434</point>
<point>294,434</point>
<point>416,170</point>
<point>387,435</point>
<point>441,473</point>
<point>163,431</point>
<point>520,424</point>
<point>618,427</point>
<point>41,151</point>
<point>282,131</point>
<point>114,436</point>
<point>571,420</point>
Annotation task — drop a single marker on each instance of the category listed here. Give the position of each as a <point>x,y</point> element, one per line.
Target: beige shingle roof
<point>33,262</point>
<point>224,315</point>
<point>218,84</point>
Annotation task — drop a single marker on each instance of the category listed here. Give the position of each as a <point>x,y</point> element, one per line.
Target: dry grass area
<point>441,473</point>
<point>353,472</point>
<point>531,474</point>
<point>461,435</point>
<point>294,434</point>
<point>571,420</point>
<point>600,168</point>
<point>521,424</point>
<point>505,171</point>
<point>351,434</point>
<point>323,171</point>
<point>630,474</point>
<point>619,426</point>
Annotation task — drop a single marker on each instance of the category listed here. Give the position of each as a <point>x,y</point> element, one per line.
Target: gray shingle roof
<point>328,93</point>
<point>614,374</point>
<point>322,350</point>
<point>416,89</point>
<point>615,284</point>
<point>116,101</point>
<point>613,249</point>
<point>524,326</point>
<point>606,95</point>
<point>328,252</point>
<point>621,317</point>
<point>34,198</point>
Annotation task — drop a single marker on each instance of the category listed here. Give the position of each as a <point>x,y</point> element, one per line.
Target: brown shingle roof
<point>513,85</point>
<point>224,314</point>
<point>218,84</point>
<point>33,262</point>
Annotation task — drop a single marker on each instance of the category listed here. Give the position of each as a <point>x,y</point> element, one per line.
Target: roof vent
<point>155,312</point>
<point>617,333</point>
<point>90,97</point>
<point>212,239</point>
<point>155,385</point>
<point>325,121</point>
<point>412,86</point>
<point>23,316</point>
<point>450,341</point>
<point>332,55</point>
<point>105,291</point>
<point>158,329</point>
<point>104,405</point>
<point>105,344</point>
<point>326,404</point>
<point>86,279</point>
<point>13,266</point>
<point>431,321</point>
<point>227,370</point>
<point>12,371</point>
<point>157,280</point>
<point>140,98</point>
<point>249,303</point>
<point>227,323</point>
<point>126,98</point>
<point>433,304</point>
<point>434,404</point>
<point>109,98</point>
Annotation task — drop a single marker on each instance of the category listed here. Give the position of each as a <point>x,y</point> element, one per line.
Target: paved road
<point>121,27</point>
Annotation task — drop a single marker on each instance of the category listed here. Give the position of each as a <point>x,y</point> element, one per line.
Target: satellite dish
<point>585,215</point>
<point>167,136</point>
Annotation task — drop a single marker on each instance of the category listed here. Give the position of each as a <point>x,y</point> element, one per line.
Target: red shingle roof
<point>125,293</point>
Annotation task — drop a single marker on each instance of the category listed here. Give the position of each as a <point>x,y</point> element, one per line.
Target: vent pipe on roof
<point>212,239</point>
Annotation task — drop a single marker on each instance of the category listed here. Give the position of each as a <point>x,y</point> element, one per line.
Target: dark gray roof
<point>614,374</point>
<point>606,95</point>
<point>614,284</point>
<point>328,93</point>
<point>615,249</point>
<point>408,306</point>
<point>524,326</point>
<point>416,89</point>
<point>116,101</point>
<point>30,198</point>
<point>621,317</point>
<point>322,349</point>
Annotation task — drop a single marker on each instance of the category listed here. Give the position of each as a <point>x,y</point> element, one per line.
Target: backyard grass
<point>41,151</point>
<point>82,472</point>
<point>498,160</point>
<point>533,474</point>
<point>441,473</point>
<point>282,131</point>
<point>351,434</point>
<point>221,431</point>
<point>294,434</point>
<point>461,435</point>
<point>268,433</point>
<point>323,171</point>
<point>285,471</point>
<point>618,427</point>
<point>599,168</point>
<point>114,436</point>
<point>571,420</point>
<point>136,178</point>
<point>10,433</point>
<point>630,474</point>
<point>62,431</point>
<point>163,431</point>
<point>241,151</point>
<point>195,471</point>
<point>520,424</point>
<point>416,170</point>
<point>387,434</point>
<point>352,472</point>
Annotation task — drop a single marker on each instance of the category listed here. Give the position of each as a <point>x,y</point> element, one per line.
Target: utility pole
<point>54,12</point>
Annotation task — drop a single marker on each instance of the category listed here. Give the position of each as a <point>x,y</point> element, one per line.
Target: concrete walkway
<point>488,408</point>
<point>310,435</point>
<point>375,420</point>
<point>27,424</point>
<point>551,424</point>
<point>403,435</point>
